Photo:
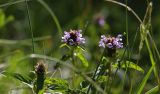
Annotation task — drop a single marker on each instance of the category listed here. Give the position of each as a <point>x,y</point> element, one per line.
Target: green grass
<point>78,69</point>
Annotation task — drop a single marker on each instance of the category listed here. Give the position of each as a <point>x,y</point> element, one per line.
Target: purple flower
<point>111,42</point>
<point>73,38</point>
<point>101,21</point>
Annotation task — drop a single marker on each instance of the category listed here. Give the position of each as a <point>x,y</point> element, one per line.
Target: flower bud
<point>40,71</point>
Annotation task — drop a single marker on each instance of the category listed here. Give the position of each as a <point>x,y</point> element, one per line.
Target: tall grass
<point>94,82</point>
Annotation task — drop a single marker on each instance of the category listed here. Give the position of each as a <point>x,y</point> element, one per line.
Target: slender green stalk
<point>73,62</point>
<point>145,30</point>
<point>117,69</point>
<point>144,81</point>
<point>30,28</point>
<point>94,75</point>
<point>25,42</point>
<point>52,14</point>
<point>133,43</point>
<point>109,76</point>
<point>130,91</point>
<point>127,41</point>
<point>13,3</point>
<point>128,8</point>
<point>127,28</point>
<point>131,51</point>
<point>94,84</point>
<point>152,59</point>
<point>154,44</point>
<point>72,55</point>
<point>154,90</point>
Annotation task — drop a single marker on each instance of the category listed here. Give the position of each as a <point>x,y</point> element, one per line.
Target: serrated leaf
<point>83,59</point>
<point>56,84</point>
<point>154,90</point>
<point>103,79</point>
<point>129,64</point>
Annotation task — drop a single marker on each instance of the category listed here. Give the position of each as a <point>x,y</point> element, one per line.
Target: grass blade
<point>52,14</point>
<point>128,8</point>
<point>154,90</point>
<point>12,3</point>
<point>144,81</point>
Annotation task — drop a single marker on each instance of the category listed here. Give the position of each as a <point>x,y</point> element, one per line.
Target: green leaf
<point>129,64</point>
<point>41,92</point>
<point>56,84</point>
<point>81,48</point>
<point>64,45</point>
<point>2,18</point>
<point>103,79</point>
<point>104,58</point>
<point>25,79</point>
<point>83,59</point>
<point>144,81</point>
<point>154,90</point>
<point>79,54</point>
<point>9,19</point>
<point>84,84</point>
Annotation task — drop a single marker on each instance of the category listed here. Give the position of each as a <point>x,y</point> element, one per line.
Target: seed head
<point>40,68</point>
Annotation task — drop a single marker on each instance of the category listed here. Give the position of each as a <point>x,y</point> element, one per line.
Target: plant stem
<point>13,3</point>
<point>54,17</point>
<point>152,60</point>
<point>109,75</point>
<point>94,75</point>
<point>30,29</point>
<point>112,80</point>
<point>73,62</point>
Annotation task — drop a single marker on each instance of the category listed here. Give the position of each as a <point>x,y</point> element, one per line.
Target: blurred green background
<point>16,38</point>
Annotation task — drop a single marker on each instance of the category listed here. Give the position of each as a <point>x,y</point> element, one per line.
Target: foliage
<point>105,49</point>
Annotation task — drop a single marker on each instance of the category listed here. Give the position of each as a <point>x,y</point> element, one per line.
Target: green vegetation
<point>79,47</point>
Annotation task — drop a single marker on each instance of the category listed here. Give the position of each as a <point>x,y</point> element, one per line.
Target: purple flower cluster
<point>73,38</point>
<point>111,42</point>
